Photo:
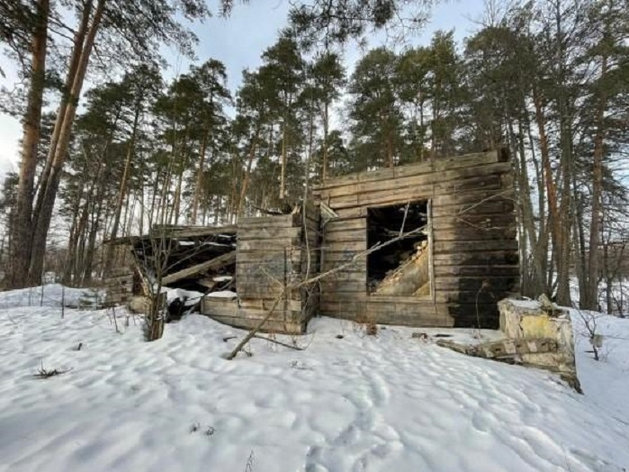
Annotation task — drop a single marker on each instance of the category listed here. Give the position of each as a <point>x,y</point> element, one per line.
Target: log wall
<point>271,254</point>
<point>474,251</point>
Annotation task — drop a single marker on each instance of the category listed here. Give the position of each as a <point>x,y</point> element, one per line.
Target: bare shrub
<point>43,373</point>
<point>590,324</point>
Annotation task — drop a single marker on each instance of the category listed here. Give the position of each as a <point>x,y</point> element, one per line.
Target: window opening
<point>400,268</point>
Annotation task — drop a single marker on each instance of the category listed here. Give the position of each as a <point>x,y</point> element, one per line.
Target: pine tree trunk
<point>122,193</point>
<point>283,163</point>
<point>590,300</point>
<point>21,227</point>
<point>199,185</point>
<point>245,180</point>
<point>91,243</point>
<point>40,230</point>
<point>79,40</point>
<point>326,124</point>
<point>176,208</point>
<point>555,219</point>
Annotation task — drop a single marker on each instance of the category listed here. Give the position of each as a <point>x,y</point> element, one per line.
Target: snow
<point>190,296</point>
<point>222,278</point>
<point>606,382</point>
<point>348,402</point>
<point>50,295</point>
<point>222,294</point>
<point>525,304</point>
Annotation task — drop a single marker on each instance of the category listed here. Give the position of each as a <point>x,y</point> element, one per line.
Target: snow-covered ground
<point>50,295</point>
<point>349,402</point>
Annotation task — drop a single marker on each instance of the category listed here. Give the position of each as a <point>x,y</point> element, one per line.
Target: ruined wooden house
<point>431,244</point>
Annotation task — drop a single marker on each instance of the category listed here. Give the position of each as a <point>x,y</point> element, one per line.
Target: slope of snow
<point>350,403</point>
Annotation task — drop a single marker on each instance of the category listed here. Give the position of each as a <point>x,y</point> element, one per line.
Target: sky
<point>238,41</point>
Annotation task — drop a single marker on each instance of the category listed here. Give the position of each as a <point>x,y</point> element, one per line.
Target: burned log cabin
<point>460,261</point>
<point>431,244</point>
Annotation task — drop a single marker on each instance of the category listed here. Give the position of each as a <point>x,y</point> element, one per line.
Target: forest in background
<point>547,79</point>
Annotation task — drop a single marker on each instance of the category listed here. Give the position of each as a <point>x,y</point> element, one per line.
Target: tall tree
<point>21,229</point>
<point>375,110</point>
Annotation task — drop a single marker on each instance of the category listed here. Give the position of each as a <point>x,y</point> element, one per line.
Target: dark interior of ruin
<point>385,224</point>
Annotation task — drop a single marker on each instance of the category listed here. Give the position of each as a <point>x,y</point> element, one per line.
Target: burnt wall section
<point>473,247</point>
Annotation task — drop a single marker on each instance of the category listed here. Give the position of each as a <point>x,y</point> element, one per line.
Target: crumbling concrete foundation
<point>528,320</point>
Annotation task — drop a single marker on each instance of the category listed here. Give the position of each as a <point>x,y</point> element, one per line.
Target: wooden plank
<point>212,264</point>
<point>466,233</point>
<point>495,207</point>
<point>436,165</point>
<point>472,198</point>
<point>352,212</point>
<point>279,221</point>
<point>267,303</point>
<point>478,270</point>
<point>349,276</point>
<point>261,257</point>
<point>345,236</point>
<point>489,283</point>
<point>452,247</point>
<point>471,297</point>
<point>264,291</point>
<point>348,246</point>
<point>329,286</point>
<point>493,220</point>
<point>289,235</point>
<point>441,182</point>
<point>398,195</point>
<point>490,257</point>
<point>334,259</point>
<point>267,245</point>
<point>436,315</point>
<point>345,225</point>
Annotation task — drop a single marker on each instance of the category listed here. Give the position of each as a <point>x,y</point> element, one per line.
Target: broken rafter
<point>212,264</point>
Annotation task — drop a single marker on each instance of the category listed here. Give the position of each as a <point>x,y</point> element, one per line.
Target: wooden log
<point>345,236</point>
<point>427,184</point>
<point>466,233</point>
<point>451,247</point>
<point>212,264</point>
<point>268,245</point>
<point>437,165</point>
<point>476,271</point>
<point>489,257</point>
<point>290,234</point>
<point>392,194</point>
<point>279,221</point>
<point>345,225</point>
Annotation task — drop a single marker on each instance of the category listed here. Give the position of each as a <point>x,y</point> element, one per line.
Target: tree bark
<point>283,163</point>
<point>79,40</point>
<point>122,193</point>
<point>199,184</point>
<point>40,230</point>
<point>590,299</point>
<point>245,181</point>
<point>326,125</point>
<point>21,228</point>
